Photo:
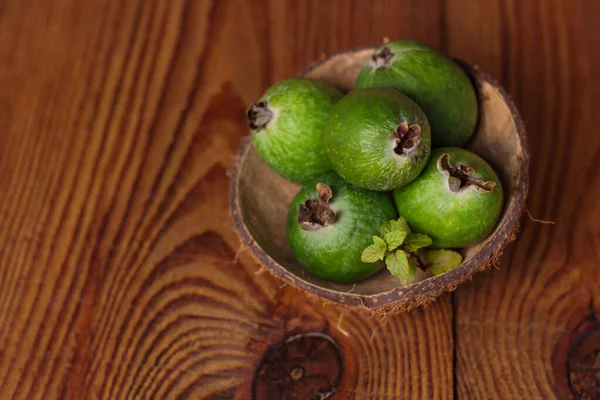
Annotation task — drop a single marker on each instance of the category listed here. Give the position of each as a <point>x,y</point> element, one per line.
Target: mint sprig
<point>398,246</point>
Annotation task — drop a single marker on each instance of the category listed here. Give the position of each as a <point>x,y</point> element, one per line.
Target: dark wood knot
<point>303,366</point>
<point>583,364</point>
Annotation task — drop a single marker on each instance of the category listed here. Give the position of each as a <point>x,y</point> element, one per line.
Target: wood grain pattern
<point>119,265</point>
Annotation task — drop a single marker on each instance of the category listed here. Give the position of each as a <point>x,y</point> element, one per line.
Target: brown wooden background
<point>119,121</point>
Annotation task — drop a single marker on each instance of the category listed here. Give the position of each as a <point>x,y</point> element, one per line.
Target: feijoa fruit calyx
<point>377,138</point>
<point>457,200</point>
<point>330,222</point>
<point>287,126</point>
<point>434,81</point>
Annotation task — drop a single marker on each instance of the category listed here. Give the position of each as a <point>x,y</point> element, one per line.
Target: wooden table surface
<point>119,265</point>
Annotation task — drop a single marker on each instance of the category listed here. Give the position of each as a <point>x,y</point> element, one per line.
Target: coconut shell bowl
<point>259,200</point>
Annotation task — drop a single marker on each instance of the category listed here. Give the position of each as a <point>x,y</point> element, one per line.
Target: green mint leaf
<point>374,252</point>
<point>394,239</point>
<point>415,241</point>
<point>399,265</point>
<point>370,254</point>
<point>393,225</point>
<point>380,245</point>
<point>388,227</point>
<point>440,261</point>
<point>403,225</point>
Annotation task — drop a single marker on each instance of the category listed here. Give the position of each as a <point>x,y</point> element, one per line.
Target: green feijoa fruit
<point>457,199</point>
<point>287,127</point>
<point>377,138</point>
<point>329,224</point>
<point>437,84</point>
